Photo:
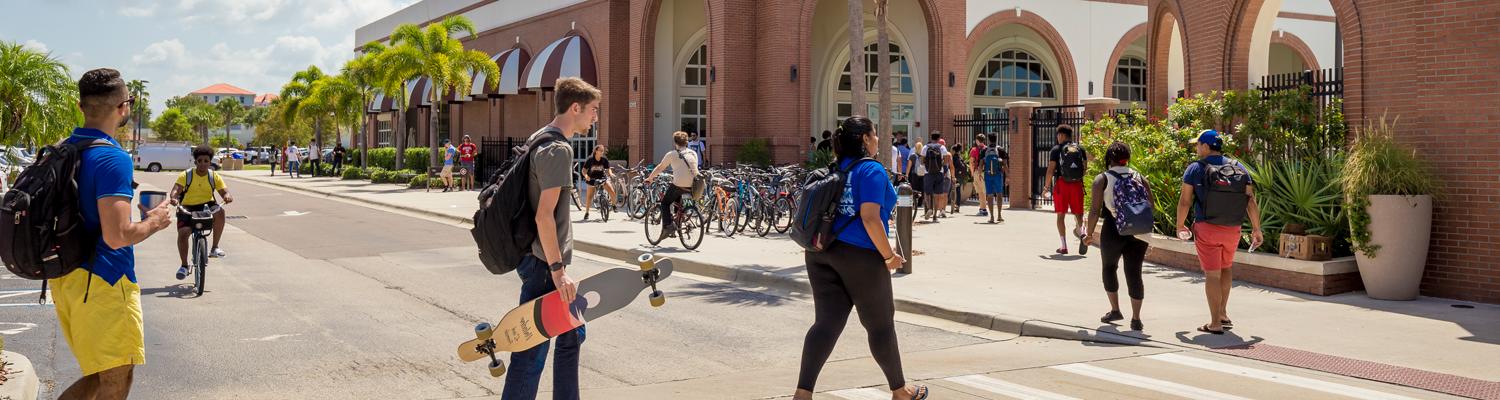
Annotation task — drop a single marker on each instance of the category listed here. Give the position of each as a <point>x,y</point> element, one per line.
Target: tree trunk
<point>364,137</point>
<point>883,42</point>
<point>432,130</point>
<point>857,58</point>
<point>399,131</point>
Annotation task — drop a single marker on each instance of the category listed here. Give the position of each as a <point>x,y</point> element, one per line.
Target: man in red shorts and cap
<point>1068,162</point>
<point>1222,196</point>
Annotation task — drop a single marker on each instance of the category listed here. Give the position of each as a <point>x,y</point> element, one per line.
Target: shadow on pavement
<point>1228,340</point>
<point>720,294</point>
<point>178,291</point>
<point>1061,257</point>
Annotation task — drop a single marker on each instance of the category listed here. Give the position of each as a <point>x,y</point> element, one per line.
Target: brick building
<point>776,70</point>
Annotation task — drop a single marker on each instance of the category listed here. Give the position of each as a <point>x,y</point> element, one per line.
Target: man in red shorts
<point>1067,164</point>
<point>1222,195</point>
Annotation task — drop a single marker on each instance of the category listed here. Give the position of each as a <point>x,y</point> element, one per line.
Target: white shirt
<point>291,153</point>
<point>684,164</point>
<point>1109,186</point>
<point>314,153</point>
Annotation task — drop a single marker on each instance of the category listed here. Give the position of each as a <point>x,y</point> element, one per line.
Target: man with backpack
<point>195,191</point>
<point>976,164</point>
<point>991,170</point>
<point>98,302</point>
<point>545,268</point>
<point>1066,165</point>
<point>938,163</point>
<point>1222,195</point>
<point>684,164</point>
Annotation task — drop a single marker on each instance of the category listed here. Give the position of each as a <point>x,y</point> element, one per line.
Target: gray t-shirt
<point>551,167</point>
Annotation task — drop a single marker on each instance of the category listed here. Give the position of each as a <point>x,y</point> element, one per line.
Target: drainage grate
<point>236,217</point>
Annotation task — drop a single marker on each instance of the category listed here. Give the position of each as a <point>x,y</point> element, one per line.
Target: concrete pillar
<point>1022,154</point>
<point>1096,108</point>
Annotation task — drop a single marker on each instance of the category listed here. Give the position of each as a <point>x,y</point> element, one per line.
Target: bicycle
<point>690,224</point>
<point>602,202</point>
<point>201,222</point>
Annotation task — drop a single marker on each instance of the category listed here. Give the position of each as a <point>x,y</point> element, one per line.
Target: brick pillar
<point>1096,108</point>
<point>1018,173</point>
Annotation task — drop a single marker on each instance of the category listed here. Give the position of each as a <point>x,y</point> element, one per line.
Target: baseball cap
<point>1209,137</point>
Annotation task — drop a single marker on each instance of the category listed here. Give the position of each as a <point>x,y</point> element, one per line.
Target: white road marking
<point>1172,388</point>
<point>20,327</point>
<point>862,394</point>
<point>1005,388</point>
<point>1305,383</point>
<point>293,213</point>
<point>270,338</point>
<point>14,293</point>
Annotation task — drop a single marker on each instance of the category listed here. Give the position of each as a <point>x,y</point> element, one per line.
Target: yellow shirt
<point>200,193</point>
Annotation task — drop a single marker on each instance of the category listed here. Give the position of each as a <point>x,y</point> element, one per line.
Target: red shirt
<point>466,152</point>
<point>974,155</point>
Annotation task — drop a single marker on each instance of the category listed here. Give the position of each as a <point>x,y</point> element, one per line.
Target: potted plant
<point>1388,193</point>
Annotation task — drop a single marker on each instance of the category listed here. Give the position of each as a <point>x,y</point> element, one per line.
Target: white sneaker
<point>182,272</point>
<point>218,252</point>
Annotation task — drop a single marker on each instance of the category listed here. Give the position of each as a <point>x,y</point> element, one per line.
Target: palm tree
<point>443,61</point>
<point>255,116</point>
<point>857,57</point>
<point>201,115</point>
<point>297,94</point>
<point>229,109</point>
<point>141,111</point>
<point>391,73</point>
<point>38,99</point>
<point>364,73</point>
<point>339,95</point>
<point>883,69</point>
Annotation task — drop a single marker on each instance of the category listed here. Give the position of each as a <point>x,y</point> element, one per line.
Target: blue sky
<point>185,45</point>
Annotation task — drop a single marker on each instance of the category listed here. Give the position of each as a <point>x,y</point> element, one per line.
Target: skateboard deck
<point>543,318</point>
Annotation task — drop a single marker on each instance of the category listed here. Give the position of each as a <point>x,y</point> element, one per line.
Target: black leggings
<point>1132,249</point>
<point>844,277</point>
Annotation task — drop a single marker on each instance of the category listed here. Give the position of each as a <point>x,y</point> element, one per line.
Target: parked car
<point>159,156</point>
<point>17,155</point>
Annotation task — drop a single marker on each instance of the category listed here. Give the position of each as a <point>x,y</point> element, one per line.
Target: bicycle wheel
<point>601,201</point>
<point>653,227</point>
<point>728,217</point>
<point>782,215</point>
<point>767,214</point>
<point>691,228</point>
<point>200,258</point>
<point>635,202</point>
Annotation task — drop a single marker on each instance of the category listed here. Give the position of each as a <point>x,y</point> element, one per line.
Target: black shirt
<point>1056,157</point>
<point>596,167</point>
<point>825,145</point>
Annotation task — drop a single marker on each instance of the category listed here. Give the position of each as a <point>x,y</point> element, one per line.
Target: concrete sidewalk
<point>1005,277</point>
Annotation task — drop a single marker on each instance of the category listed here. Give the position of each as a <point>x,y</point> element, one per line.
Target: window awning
<point>381,103</point>
<point>569,56</point>
<point>512,62</point>
<point>419,93</point>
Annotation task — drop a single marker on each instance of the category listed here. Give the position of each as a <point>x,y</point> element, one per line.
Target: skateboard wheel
<point>658,298</point>
<point>646,261</point>
<point>497,368</point>
<point>484,331</point>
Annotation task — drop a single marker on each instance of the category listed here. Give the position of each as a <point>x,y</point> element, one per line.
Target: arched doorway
<point>1015,57</point>
<point>1125,72</point>
<point>674,67</point>
<point>904,96</point>
<point>1324,34</point>
<point>914,89</point>
<point>1167,68</point>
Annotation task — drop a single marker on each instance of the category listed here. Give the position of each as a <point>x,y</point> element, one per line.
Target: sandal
<point>1136,325</point>
<point>1227,324</point>
<point>921,392</point>
<point>1205,329</point>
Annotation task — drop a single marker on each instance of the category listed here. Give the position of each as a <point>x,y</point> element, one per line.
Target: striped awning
<point>419,93</point>
<point>511,63</point>
<point>569,56</point>
<point>381,103</point>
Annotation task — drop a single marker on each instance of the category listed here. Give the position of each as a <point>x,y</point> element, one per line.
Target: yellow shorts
<point>447,172</point>
<point>107,331</point>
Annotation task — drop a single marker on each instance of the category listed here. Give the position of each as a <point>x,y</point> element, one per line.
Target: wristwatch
<point>557,266</point>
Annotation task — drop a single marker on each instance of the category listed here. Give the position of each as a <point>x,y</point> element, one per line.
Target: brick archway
<point>1165,14</point>
<point>1059,47</point>
<point>1114,57</point>
<point>1296,44</point>
<point>1237,60</point>
<point>643,17</point>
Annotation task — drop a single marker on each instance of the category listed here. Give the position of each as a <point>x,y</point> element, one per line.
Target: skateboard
<point>539,320</point>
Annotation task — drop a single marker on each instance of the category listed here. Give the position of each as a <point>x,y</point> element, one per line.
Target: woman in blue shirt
<point>856,270</point>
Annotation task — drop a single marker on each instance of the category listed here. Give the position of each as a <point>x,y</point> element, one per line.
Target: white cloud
<point>169,52</point>
<point>230,11</point>
<point>139,11</point>
<point>35,45</point>
<point>340,14</point>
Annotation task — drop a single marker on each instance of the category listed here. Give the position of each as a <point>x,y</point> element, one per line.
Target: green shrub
<point>618,153</point>
<point>1378,165</point>
<point>416,159</point>
<point>820,159</point>
<point>1306,193</point>
<point>404,177</point>
<point>353,173</point>
<point>1158,151</point>
<point>755,152</point>
<point>383,157</point>
<point>418,181</point>
<point>382,176</point>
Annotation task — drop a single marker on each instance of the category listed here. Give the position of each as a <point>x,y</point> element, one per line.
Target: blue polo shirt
<point>867,183</point>
<point>1195,175</point>
<point>104,172</point>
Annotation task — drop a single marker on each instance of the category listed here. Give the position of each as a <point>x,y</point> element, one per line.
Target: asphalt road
<point>322,299</point>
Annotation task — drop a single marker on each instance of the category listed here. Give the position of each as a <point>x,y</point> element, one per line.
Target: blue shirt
<point>905,156</point>
<point>452,153</point>
<point>104,172</point>
<point>867,183</point>
<point>1195,176</point>
<point>700,148</point>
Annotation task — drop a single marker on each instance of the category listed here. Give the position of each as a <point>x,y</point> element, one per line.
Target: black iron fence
<point>493,153</point>
<point>995,127</point>
<point>1044,123</point>
<point>1325,84</point>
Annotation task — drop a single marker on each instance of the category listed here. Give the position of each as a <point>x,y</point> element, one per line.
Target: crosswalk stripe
<point>1172,388</point>
<point>1005,388</point>
<point>1293,380</point>
<point>862,394</point>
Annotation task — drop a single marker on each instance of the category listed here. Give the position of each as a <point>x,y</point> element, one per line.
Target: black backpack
<point>932,159</point>
<point>1073,163</point>
<point>812,219</point>
<point>40,221</point>
<point>505,224</point>
<point>1227,193</point>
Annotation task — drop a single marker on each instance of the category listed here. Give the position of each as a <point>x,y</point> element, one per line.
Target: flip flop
<point>1227,324</point>
<point>1205,329</point>
<point>921,393</point>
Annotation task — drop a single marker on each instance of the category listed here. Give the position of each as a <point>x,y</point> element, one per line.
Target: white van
<point>158,156</point>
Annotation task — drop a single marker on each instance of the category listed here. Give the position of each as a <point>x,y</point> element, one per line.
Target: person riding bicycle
<point>597,169</point>
<point>684,164</point>
<point>195,192</point>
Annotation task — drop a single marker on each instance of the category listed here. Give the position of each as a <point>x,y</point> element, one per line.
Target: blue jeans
<point>525,371</point>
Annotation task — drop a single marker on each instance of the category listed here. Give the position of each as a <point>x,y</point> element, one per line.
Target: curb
<point>998,322</point>
<point>22,383</point>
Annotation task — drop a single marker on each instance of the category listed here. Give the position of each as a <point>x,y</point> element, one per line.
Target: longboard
<point>536,321</point>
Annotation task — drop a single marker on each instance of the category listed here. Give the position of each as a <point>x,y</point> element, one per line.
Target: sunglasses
<point>129,101</point>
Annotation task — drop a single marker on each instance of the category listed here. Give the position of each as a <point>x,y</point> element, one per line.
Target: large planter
<point>1402,227</point>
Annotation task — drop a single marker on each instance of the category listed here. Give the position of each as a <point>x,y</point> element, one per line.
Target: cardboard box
<point>1308,247</point>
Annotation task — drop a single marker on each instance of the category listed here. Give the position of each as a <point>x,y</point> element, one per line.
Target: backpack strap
<point>845,173</point>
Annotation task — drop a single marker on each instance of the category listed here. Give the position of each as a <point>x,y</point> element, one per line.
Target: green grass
<point>258,167</point>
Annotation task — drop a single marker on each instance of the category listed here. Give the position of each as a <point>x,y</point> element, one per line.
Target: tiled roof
<point>222,88</point>
<point>265,99</point>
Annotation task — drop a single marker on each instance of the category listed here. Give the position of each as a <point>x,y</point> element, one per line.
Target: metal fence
<point>996,127</point>
<point>1325,84</point>
<point>1044,123</point>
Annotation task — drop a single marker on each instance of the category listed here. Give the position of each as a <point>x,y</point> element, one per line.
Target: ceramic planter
<point>1402,227</point>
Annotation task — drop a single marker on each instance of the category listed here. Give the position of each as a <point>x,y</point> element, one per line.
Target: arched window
<point>696,72</point>
<point>900,71</point>
<point>1130,79</point>
<point>1014,73</point>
